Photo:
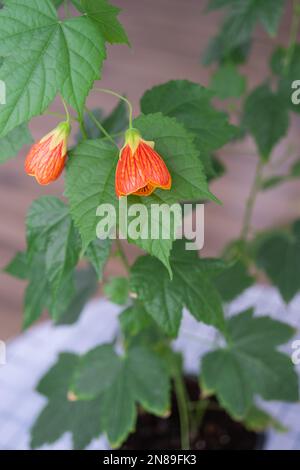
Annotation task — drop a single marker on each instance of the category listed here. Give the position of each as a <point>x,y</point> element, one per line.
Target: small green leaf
<point>117,290</point>
<point>13,142</point>
<point>233,281</point>
<point>227,82</point>
<point>82,419</point>
<point>192,286</point>
<point>18,266</point>
<point>273,182</point>
<point>266,117</point>
<point>258,420</point>
<point>105,16</point>
<point>98,253</point>
<point>250,364</point>
<point>86,284</point>
<point>218,51</point>
<point>278,254</point>
<point>50,230</point>
<point>134,320</point>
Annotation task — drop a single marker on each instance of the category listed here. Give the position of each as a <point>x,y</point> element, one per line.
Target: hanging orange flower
<point>140,170</point>
<point>46,159</point>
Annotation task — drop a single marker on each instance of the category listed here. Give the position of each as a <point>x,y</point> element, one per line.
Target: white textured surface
<point>31,354</point>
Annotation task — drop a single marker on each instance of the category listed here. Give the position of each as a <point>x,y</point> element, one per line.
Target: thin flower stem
<point>66,109</point>
<point>60,115</point>
<point>122,255</point>
<point>294,33</point>
<point>67,9</point>
<point>182,402</point>
<point>99,125</point>
<point>83,130</point>
<point>251,200</point>
<point>110,92</point>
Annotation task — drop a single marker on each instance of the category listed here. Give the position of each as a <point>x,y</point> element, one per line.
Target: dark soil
<point>217,431</point>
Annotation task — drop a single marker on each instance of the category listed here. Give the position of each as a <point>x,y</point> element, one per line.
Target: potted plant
<point>134,389</point>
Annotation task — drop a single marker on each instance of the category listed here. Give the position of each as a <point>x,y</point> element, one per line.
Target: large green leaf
<point>192,286</point>
<point>13,142</point>
<point>233,281</point>
<point>250,364</point>
<point>117,290</point>
<point>50,55</point>
<point>81,418</point>
<point>266,117</point>
<point>105,16</point>
<point>90,182</point>
<point>278,254</point>
<point>190,104</point>
<point>50,229</point>
<point>122,382</point>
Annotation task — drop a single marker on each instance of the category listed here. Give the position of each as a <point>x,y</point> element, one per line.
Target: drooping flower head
<point>46,159</point>
<point>140,169</point>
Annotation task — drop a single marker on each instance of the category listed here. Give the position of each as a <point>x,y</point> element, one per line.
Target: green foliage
<point>191,286</point>
<point>258,420</point>
<point>250,364</point>
<point>278,255</point>
<point>137,377</point>
<point>134,320</point>
<point>105,16</point>
<point>60,415</point>
<point>233,281</point>
<point>13,142</point>
<point>266,117</point>
<point>117,290</point>
<point>227,82</point>
<point>191,105</point>
<point>98,253</point>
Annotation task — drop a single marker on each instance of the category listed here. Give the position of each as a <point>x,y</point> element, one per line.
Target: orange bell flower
<point>46,159</point>
<point>140,170</point>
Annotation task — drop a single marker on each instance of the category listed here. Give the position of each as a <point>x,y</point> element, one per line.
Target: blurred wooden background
<point>168,38</point>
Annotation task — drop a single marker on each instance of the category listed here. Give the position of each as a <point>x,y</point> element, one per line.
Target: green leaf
<point>218,51</point>
<point>190,104</point>
<point>18,266</point>
<point>105,16</point>
<point>233,281</point>
<point>98,253</point>
<point>243,17</point>
<point>117,290</point>
<point>278,254</point>
<point>287,69</point>
<point>192,286</point>
<point>134,320</point>
<point>273,182</point>
<point>227,82</point>
<point>82,419</point>
<point>50,55</point>
<point>137,378</point>
<point>86,284</point>
<point>90,181</point>
<point>13,142</point>
<point>295,170</point>
<point>50,229</point>
<point>266,117</point>
<point>250,364</point>
<point>258,420</point>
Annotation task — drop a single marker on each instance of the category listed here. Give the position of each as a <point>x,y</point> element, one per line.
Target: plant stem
<point>250,204</point>
<point>122,255</point>
<point>83,129</point>
<point>182,403</point>
<point>66,109</point>
<point>294,33</point>
<point>60,115</point>
<point>99,125</point>
<point>66,8</point>
<point>110,92</point>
